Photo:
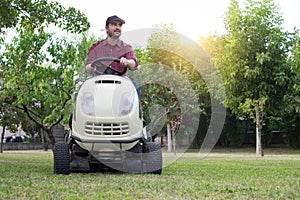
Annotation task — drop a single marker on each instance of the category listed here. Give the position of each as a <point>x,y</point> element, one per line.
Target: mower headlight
<point>87,104</point>
<point>126,104</point>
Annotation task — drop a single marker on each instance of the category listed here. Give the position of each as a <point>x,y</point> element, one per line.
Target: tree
<point>290,114</point>
<point>44,89</point>
<point>8,119</point>
<point>11,118</point>
<point>38,69</point>
<point>170,83</point>
<point>253,61</point>
<point>41,13</point>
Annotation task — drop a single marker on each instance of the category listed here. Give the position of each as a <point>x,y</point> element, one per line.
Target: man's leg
<point>137,86</point>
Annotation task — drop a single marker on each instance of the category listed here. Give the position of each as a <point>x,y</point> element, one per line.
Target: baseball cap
<point>114,18</point>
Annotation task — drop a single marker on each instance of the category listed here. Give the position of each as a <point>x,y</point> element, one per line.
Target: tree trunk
<point>169,138</point>
<point>259,150</point>
<point>44,140</point>
<point>2,138</point>
<point>173,141</point>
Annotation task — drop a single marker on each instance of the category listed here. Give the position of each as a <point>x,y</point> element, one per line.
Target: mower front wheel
<point>61,158</point>
<point>154,158</point>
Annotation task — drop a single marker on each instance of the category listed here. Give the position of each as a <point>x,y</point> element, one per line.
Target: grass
<point>223,174</point>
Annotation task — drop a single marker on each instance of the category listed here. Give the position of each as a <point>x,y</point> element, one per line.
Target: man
<point>112,46</point>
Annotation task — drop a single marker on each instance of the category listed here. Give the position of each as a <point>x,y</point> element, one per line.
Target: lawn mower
<point>107,132</point>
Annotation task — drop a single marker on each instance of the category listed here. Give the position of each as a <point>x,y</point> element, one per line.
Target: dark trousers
<point>137,86</point>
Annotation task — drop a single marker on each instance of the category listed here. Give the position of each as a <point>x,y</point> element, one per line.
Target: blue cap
<point>114,18</point>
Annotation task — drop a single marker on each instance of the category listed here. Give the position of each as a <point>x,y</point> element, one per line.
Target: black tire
<point>61,158</point>
<point>58,133</point>
<point>154,158</point>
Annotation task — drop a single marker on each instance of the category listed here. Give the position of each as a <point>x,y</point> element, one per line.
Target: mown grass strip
<point>223,174</point>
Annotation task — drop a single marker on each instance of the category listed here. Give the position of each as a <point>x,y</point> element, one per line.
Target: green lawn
<point>223,174</point>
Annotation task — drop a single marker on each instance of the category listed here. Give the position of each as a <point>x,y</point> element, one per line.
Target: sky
<point>190,18</point>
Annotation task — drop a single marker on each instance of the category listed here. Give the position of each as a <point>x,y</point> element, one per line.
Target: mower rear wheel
<point>61,158</point>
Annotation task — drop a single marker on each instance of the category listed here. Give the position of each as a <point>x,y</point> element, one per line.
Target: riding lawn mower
<point>107,131</point>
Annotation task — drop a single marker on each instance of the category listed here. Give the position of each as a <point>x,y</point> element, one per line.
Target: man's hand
<point>89,68</point>
<point>127,63</point>
<point>124,62</point>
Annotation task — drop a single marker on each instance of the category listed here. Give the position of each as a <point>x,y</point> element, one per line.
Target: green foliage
<point>291,128</point>
<point>289,109</point>
<point>259,64</point>
<point>39,69</point>
<point>169,78</point>
<point>9,117</point>
<point>294,63</point>
<point>254,66</point>
<point>44,88</point>
<point>41,13</point>
<point>234,131</point>
<point>252,59</point>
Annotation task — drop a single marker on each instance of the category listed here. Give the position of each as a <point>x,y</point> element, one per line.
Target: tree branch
<point>63,106</point>
<point>27,111</point>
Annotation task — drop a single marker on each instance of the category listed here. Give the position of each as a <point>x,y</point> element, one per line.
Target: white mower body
<point>107,114</point>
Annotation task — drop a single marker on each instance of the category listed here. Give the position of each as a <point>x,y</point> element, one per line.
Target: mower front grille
<point>108,82</point>
<point>106,129</point>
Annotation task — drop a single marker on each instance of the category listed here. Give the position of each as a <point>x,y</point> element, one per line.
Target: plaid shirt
<point>103,49</point>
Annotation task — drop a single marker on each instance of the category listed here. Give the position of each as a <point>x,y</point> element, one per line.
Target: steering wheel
<point>102,68</point>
